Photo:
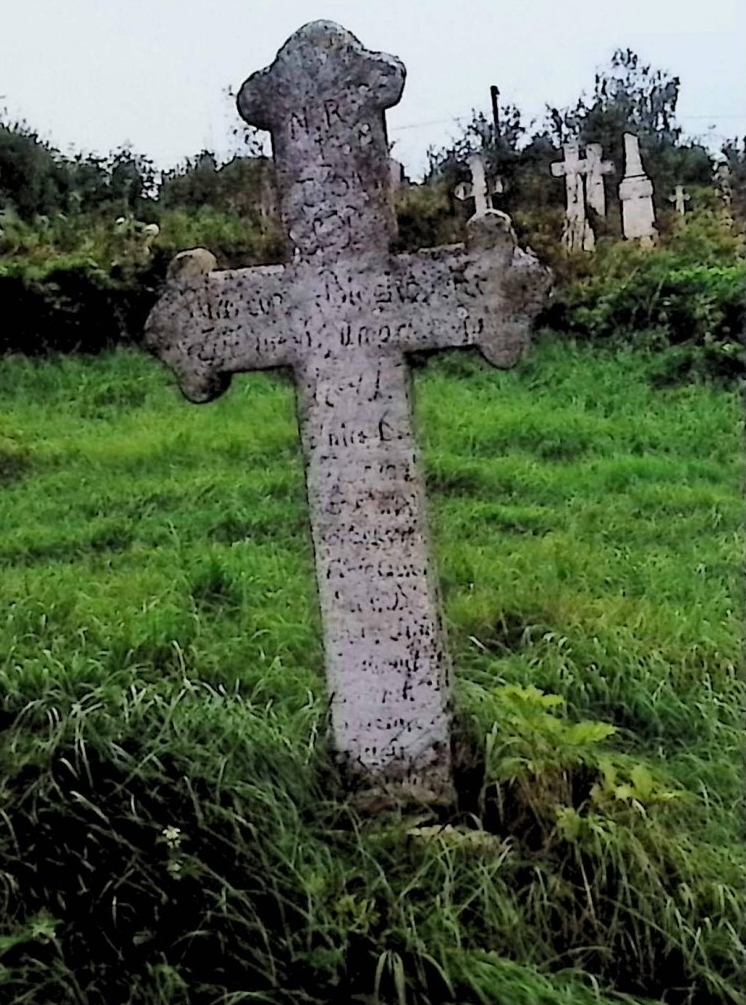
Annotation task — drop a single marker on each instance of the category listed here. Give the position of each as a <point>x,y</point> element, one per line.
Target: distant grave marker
<point>679,197</point>
<point>723,182</point>
<point>577,234</point>
<point>478,189</point>
<point>597,167</point>
<point>342,314</point>
<point>636,195</point>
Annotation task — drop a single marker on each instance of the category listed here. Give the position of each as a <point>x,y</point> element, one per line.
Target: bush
<point>72,305</point>
<point>425,218</point>
<point>689,292</point>
<point>236,241</point>
<point>80,284</point>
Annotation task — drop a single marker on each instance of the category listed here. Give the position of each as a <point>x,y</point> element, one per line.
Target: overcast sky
<point>95,74</point>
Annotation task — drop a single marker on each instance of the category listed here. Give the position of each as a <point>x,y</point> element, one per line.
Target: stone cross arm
<point>572,164</point>
<point>211,324</point>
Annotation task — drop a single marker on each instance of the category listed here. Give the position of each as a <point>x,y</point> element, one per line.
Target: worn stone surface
<point>479,189</point>
<point>596,167</point>
<point>577,234</point>
<point>342,314</point>
<point>636,195</point>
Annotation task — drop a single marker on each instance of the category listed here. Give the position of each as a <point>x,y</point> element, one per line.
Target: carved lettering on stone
<point>342,314</point>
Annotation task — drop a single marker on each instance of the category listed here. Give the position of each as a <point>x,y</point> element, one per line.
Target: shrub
<point>689,292</point>
<point>70,304</point>
<point>606,872</point>
<point>236,241</point>
<point>425,218</point>
<point>78,284</point>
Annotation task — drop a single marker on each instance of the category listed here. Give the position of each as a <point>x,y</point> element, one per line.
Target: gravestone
<point>478,189</point>
<point>679,197</point>
<point>596,167</point>
<point>577,234</point>
<point>636,195</point>
<point>342,314</point>
<point>722,179</point>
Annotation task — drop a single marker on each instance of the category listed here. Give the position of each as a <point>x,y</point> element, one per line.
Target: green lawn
<point>160,667</point>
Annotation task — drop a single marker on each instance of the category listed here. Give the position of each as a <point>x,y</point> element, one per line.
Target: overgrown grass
<point>172,830</point>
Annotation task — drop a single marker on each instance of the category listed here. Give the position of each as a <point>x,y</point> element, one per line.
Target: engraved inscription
<point>342,313</point>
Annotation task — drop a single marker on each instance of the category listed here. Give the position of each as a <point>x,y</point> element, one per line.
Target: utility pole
<point>495,94</point>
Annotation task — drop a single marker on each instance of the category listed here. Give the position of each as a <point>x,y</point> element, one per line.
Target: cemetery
<point>372,557</point>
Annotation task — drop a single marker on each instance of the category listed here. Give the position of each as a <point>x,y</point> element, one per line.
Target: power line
<point>420,125</point>
<point>457,121</point>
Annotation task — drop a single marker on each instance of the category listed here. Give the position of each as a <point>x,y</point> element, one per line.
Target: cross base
<point>430,786</point>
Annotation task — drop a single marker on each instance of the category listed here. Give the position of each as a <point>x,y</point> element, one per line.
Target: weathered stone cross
<point>341,314</point>
<point>679,197</point>
<point>597,167</point>
<point>478,188</point>
<point>577,234</point>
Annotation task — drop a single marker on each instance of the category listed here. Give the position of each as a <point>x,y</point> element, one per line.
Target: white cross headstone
<point>679,197</point>
<point>479,189</point>
<point>342,315</point>
<point>596,168</point>
<point>577,234</point>
<point>636,195</point>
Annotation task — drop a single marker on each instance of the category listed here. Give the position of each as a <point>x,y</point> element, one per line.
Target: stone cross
<point>636,195</point>
<point>679,197</point>
<point>342,314</point>
<point>478,188</point>
<point>596,168</point>
<point>577,234</point>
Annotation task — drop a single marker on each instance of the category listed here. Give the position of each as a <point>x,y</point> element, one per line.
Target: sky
<point>93,75</point>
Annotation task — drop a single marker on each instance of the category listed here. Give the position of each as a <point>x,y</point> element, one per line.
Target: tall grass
<point>172,829</point>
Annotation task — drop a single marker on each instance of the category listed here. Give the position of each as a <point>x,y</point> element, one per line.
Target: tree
<point>630,96</point>
<point>244,187</point>
<point>132,179</point>
<point>448,165</point>
<point>32,181</point>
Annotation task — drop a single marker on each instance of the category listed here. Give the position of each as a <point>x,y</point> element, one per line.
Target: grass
<point>172,830</point>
